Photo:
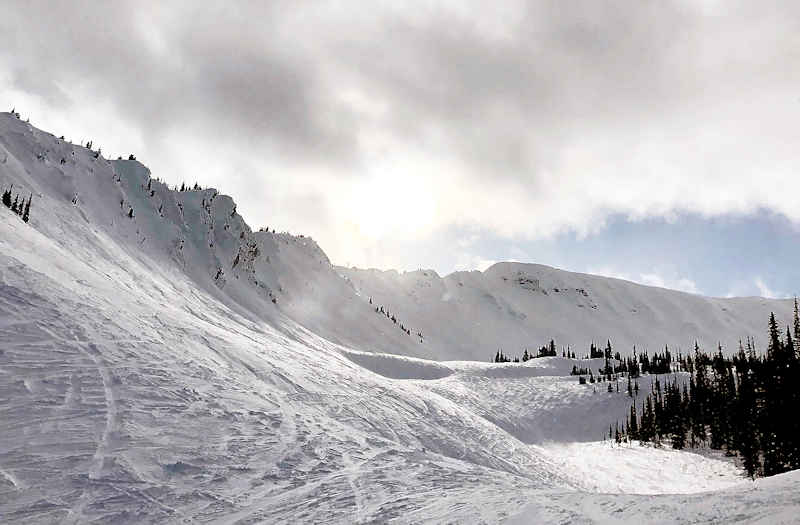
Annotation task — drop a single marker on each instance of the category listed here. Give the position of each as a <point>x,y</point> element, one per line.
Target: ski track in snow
<point>136,389</point>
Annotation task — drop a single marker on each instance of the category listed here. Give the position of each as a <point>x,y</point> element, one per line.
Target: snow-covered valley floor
<point>136,389</point>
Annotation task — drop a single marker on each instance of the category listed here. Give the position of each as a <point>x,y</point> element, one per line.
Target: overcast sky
<point>642,139</point>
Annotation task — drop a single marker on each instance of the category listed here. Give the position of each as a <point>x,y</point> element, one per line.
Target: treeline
<point>385,311</point>
<point>634,366</point>
<point>21,208</point>
<point>746,405</point>
<point>548,350</point>
<point>184,187</point>
<point>639,363</point>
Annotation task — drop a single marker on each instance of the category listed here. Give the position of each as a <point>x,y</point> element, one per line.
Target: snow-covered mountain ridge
<point>468,315</point>
<point>465,315</point>
<point>146,375</point>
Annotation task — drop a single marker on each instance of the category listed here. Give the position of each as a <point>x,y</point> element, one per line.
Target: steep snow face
<point>513,306</point>
<point>86,202</point>
<point>147,376</point>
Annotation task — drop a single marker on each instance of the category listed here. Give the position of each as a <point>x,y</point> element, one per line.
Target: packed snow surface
<point>174,366</point>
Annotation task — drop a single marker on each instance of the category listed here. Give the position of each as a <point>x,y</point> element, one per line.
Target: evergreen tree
<point>775,446</point>
<point>633,424</point>
<point>796,323</point>
<point>774,336</point>
<point>747,435</point>
<point>26,215</point>
<point>699,397</point>
<point>677,427</point>
<point>646,431</point>
<point>7,197</point>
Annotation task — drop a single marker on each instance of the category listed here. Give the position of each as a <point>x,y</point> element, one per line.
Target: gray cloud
<point>526,120</point>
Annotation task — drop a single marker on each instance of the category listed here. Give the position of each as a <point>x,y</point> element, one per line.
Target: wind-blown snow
<point>145,377</point>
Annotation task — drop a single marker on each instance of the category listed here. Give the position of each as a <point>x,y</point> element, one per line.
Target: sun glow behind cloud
<point>392,203</point>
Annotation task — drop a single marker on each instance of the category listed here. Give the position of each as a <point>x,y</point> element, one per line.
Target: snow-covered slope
<point>772,501</point>
<point>147,376</point>
<point>513,306</point>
